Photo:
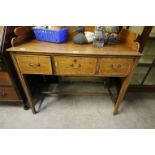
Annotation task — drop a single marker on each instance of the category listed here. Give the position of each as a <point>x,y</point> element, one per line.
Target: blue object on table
<point>57,36</point>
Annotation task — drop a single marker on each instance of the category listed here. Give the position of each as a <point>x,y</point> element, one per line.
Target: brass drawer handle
<point>3,93</point>
<point>34,65</point>
<point>115,67</point>
<point>75,65</point>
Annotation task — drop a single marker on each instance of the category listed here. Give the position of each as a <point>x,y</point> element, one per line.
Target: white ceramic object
<point>89,36</point>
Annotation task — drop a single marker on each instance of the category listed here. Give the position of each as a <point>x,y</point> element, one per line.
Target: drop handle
<point>3,93</point>
<point>34,65</point>
<point>115,67</point>
<point>75,65</point>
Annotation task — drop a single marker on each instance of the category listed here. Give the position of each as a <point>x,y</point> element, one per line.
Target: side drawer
<point>5,79</point>
<point>115,66</point>
<point>75,65</point>
<point>32,64</point>
<point>8,93</point>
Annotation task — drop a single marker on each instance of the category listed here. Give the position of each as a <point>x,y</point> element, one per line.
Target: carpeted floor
<point>83,112</point>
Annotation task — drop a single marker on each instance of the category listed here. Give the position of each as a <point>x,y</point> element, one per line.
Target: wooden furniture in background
<point>69,59</point>
<point>141,84</point>
<point>144,37</point>
<point>10,88</point>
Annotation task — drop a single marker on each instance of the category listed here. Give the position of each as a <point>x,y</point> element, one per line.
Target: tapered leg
<point>121,94</point>
<point>27,92</point>
<point>124,87</point>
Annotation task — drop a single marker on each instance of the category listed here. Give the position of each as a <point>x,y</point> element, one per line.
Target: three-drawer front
<point>5,79</point>
<point>8,93</point>
<point>115,66</point>
<point>73,65</point>
<point>33,64</point>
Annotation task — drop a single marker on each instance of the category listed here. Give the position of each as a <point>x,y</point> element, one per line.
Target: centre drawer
<point>115,66</point>
<point>31,64</point>
<point>75,65</point>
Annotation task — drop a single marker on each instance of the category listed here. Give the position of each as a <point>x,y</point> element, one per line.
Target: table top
<point>69,47</point>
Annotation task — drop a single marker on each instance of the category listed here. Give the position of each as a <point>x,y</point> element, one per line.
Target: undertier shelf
<point>75,88</point>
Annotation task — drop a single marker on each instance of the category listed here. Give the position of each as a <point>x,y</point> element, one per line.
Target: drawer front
<point>5,79</point>
<point>75,65</point>
<point>8,93</point>
<point>115,66</point>
<point>31,64</point>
